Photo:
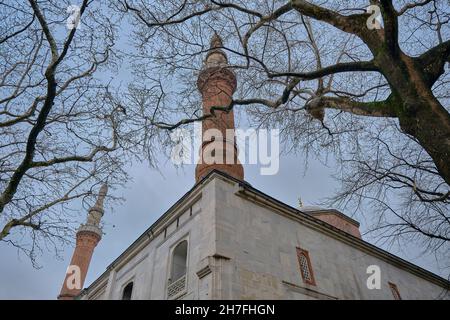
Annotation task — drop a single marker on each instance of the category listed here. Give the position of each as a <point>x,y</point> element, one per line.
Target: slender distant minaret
<point>217,84</point>
<point>88,236</point>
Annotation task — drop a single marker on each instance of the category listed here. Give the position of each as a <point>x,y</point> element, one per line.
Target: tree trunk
<point>420,114</point>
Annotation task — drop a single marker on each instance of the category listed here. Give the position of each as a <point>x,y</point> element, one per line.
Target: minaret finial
<point>101,197</point>
<point>300,202</point>
<point>216,57</point>
<point>96,212</point>
<point>216,41</point>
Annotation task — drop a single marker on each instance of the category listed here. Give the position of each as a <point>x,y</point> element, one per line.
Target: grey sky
<point>147,198</point>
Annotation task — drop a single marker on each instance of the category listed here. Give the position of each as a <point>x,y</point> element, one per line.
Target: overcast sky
<point>147,198</point>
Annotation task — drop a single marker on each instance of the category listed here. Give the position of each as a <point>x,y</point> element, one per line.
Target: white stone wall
<point>240,249</point>
<point>149,267</point>
<point>261,245</point>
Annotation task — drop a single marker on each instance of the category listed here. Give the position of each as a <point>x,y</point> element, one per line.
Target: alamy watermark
<point>374,21</point>
<point>73,280</point>
<point>261,147</point>
<point>73,21</point>
<point>374,280</point>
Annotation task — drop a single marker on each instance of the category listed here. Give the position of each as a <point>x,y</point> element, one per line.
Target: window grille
<point>305,266</point>
<point>176,287</point>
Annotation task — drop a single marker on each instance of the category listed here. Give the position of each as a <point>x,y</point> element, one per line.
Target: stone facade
<point>242,244</point>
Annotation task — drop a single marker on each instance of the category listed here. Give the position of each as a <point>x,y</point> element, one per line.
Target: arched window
<point>127,291</point>
<point>177,279</point>
<point>305,266</point>
<point>179,261</point>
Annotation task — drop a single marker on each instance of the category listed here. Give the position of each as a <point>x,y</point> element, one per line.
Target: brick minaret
<point>217,84</point>
<point>88,236</point>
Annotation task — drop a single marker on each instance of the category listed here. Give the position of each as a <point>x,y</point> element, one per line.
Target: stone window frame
<point>169,266</point>
<point>394,290</point>
<point>304,253</point>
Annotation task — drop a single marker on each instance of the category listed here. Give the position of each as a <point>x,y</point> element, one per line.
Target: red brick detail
<point>303,255</point>
<point>85,245</point>
<point>339,222</point>
<point>217,85</point>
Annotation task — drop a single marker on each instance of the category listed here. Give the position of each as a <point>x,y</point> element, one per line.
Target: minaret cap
<point>98,206</point>
<point>216,41</point>
<point>216,57</point>
<point>95,213</point>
